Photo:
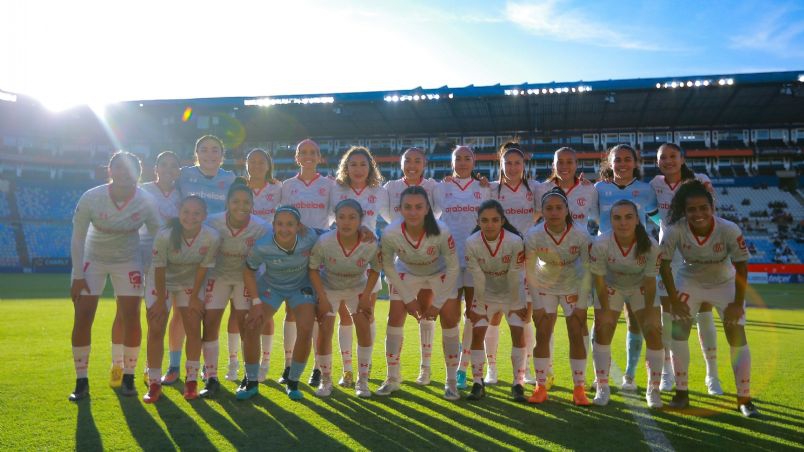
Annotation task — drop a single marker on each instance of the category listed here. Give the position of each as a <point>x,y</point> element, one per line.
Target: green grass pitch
<point>36,375</point>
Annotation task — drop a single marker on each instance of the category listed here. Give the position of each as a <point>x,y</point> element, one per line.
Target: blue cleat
<point>461,378</point>
<point>247,389</point>
<point>293,390</point>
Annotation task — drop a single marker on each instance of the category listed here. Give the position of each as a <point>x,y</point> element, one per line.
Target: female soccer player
<point>715,271</point>
<point>182,254</point>
<point>419,252</point>
<point>624,264</point>
<point>309,193</point>
<point>344,270</point>
<point>494,256</point>
<point>557,257</point>
<point>116,211</point>
<point>285,251</point>
<point>358,178</point>
<point>413,163</point>
<point>238,229</point>
<point>267,196</point>
<point>620,174</point>
<point>457,199</point>
<point>670,160</point>
<point>206,179</point>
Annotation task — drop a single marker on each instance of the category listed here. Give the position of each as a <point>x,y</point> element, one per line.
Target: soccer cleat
<point>154,393</point>
<point>461,379</point>
<point>247,389</point>
<point>424,376</point>
<point>190,390</point>
<point>211,388</point>
<point>362,388</point>
<point>171,376</point>
<point>681,400</point>
<point>654,397</point>
<point>713,386</point>
<point>539,394</point>
<point>231,373</point>
<point>518,393</point>
<point>315,378</point>
<point>347,380</point>
<point>602,395</point>
<point>389,386</point>
<point>451,391</point>
<point>531,380</point>
<point>579,396</point>
<point>628,384</point>
<point>81,390</point>
<point>668,380</point>
<point>127,388</point>
<point>548,384</point>
<point>283,380</point>
<point>748,409</point>
<point>115,377</point>
<point>262,374</point>
<point>491,375</point>
<point>293,390</point>
<point>477,393</point>
<point>325,388</point>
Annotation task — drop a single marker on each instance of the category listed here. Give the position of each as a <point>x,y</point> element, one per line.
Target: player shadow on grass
<point>770,326</point>
<point>87,436</point>
<point>144,429</point>
<point>180,426</point>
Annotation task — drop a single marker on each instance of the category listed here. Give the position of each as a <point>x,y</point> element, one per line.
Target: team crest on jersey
<point>104,216</point>
<point>221,185</point>
<point>718,247</point>
<point>520,257</point>
<point>506,259</point>
<point>135,216</point>
<point>641,260</point>
<point>135,278</point>
<point>361,262</point>
<point>477,195</point>
<point>203,250</point>
<point>451,243</point>
<point>372,199</point>
<point>574,249</point>
<point>430,250</point>
<point>611,260</point>
<point>635,193</point>
<point>332,260</point>
<point>269,197</point>
<point>323,192</point>
<point>154,252</point>
<point>443,277</point>
<point>581,201</point>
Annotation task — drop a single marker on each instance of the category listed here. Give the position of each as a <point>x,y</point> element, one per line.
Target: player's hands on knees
<point>78,286</point>
<point>196,306</point>
<point>254,316</point>
<point>323,307</point>
<point>474,317</point>
<point>579,315</point>
<point>364,305</point>
<point>431,313</point>
<point>414,309</point>
<point>733,313</point>
<point>157,313</point>
<point>680,310</point>
<point>606,318</point>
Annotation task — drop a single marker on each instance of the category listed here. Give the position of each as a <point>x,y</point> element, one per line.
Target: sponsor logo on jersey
<point>210,285</point>
<point>309,205</point>
<point>578,216</point>
<point>342,197</point>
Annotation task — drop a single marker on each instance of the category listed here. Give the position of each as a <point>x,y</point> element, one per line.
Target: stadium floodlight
<point>450,95</point>
<point>673,85</point>
<point>8,97</point>
<point>271,101</point>
<point>416,97</point>
<point>689,84</point>
<point>721,82</point>
<point>801,78</point>
<point>395,98</point>
<point>729,81</point>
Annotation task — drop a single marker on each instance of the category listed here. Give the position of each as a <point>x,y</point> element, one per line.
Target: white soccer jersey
<point>167,204</point>
<point>664,197</point>
<point>373,200</point>
<point>556,265</point>
<point>266,200</point>
<point>496,267</point>
<point>707,260</point>
<point>581,199</point>
<point>114,236</point>
<point>342,268</point>
<point>181,265</point>
<point>458,201</point>
<point>395,189</point>
<point>518,202</point>
<point>235,245</point>
<point>420,256</point>
<point>312,199</point>
<point>621,267</point>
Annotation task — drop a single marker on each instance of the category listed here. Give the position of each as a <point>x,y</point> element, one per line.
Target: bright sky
<point>67,52</point>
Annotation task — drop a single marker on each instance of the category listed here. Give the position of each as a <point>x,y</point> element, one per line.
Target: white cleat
<point>668,380</point>
<point>388,387</point>
<point>231,374</point>
<point>325,388</point>
<point>261,375</point>
<point>602,395</point>
<point>713,386</point>
<point>531,380</point>
<point>491,376</point>
<point>628,384</point>
<point>424,376</point>
<point>362,388</point>
<point>451,391</point>
<point>654,397</point>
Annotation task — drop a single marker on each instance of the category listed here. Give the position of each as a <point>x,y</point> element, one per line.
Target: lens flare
<point>188,113</point>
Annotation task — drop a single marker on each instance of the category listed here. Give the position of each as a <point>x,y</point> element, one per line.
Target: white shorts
<point>349,296</point>
<point>719,296</point>
<point>491,309</point>
<point>217,294</point>
<point>550,302</point>
<point>464,279</point>
<point>416,283</point>
<point>617,298</point>
<point>181,298</point>
<point>126,277</point>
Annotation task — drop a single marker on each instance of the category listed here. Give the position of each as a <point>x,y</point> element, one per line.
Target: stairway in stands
<point>16,222</point>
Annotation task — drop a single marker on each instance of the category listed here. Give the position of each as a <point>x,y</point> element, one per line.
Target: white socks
<point>654,361</point>
<point>681,364</point>
<point>492,343</point>
<point>345,345</point>
<point>451,347</point>
<point>210,351</point>
<point>426,332</point>
<point>540,366</point>
<point>81,361</point>
<point>519,362</point>
<point>707,336</point>
<point>233,346</point>
<point>267,344</point>
<point>741,365</point>
<point>117,355</point>
<point>393,350</point>
<point>466,345</point>
<point>130,355</point>
<point>364,361</point>
<point>601,357</point>
<point>289,341</point>
<point>191,370</point>
<point>478,361</point>
<point>578,367</point>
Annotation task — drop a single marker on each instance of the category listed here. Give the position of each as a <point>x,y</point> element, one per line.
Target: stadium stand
<point>47,240</point>
<point>5,210</point>
<point>8,247</point>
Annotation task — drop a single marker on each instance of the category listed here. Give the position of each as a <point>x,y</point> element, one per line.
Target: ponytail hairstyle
<point>643,243</point>
<point>690,189</point>
<point>131,161</point>
<point>512,148</point>
<point>461,147</point>
<point>239,184</point>
<point>175,226</point>
<point>559,193</point>
<point>430,224</point>
<point>350,203</point>
<point>686,172</point>
<point>554,175</point>
<point>269,174</point>
<point>607,166</point>
<point>494,204</point>
<point>374,178</point>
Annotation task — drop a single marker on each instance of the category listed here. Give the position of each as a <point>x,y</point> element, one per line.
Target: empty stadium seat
<point>8,247</point>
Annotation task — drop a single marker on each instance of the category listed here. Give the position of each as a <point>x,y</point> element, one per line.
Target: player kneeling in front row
<point>715,271</point>
<point>494,256</point>
<point>624,263</point>
<point>338,273</point>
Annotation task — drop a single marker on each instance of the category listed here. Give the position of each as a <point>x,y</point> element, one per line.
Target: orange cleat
<point>154,392</point>
<point>579,396</point>
<point>191,390</point>
<point>539,395</point>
